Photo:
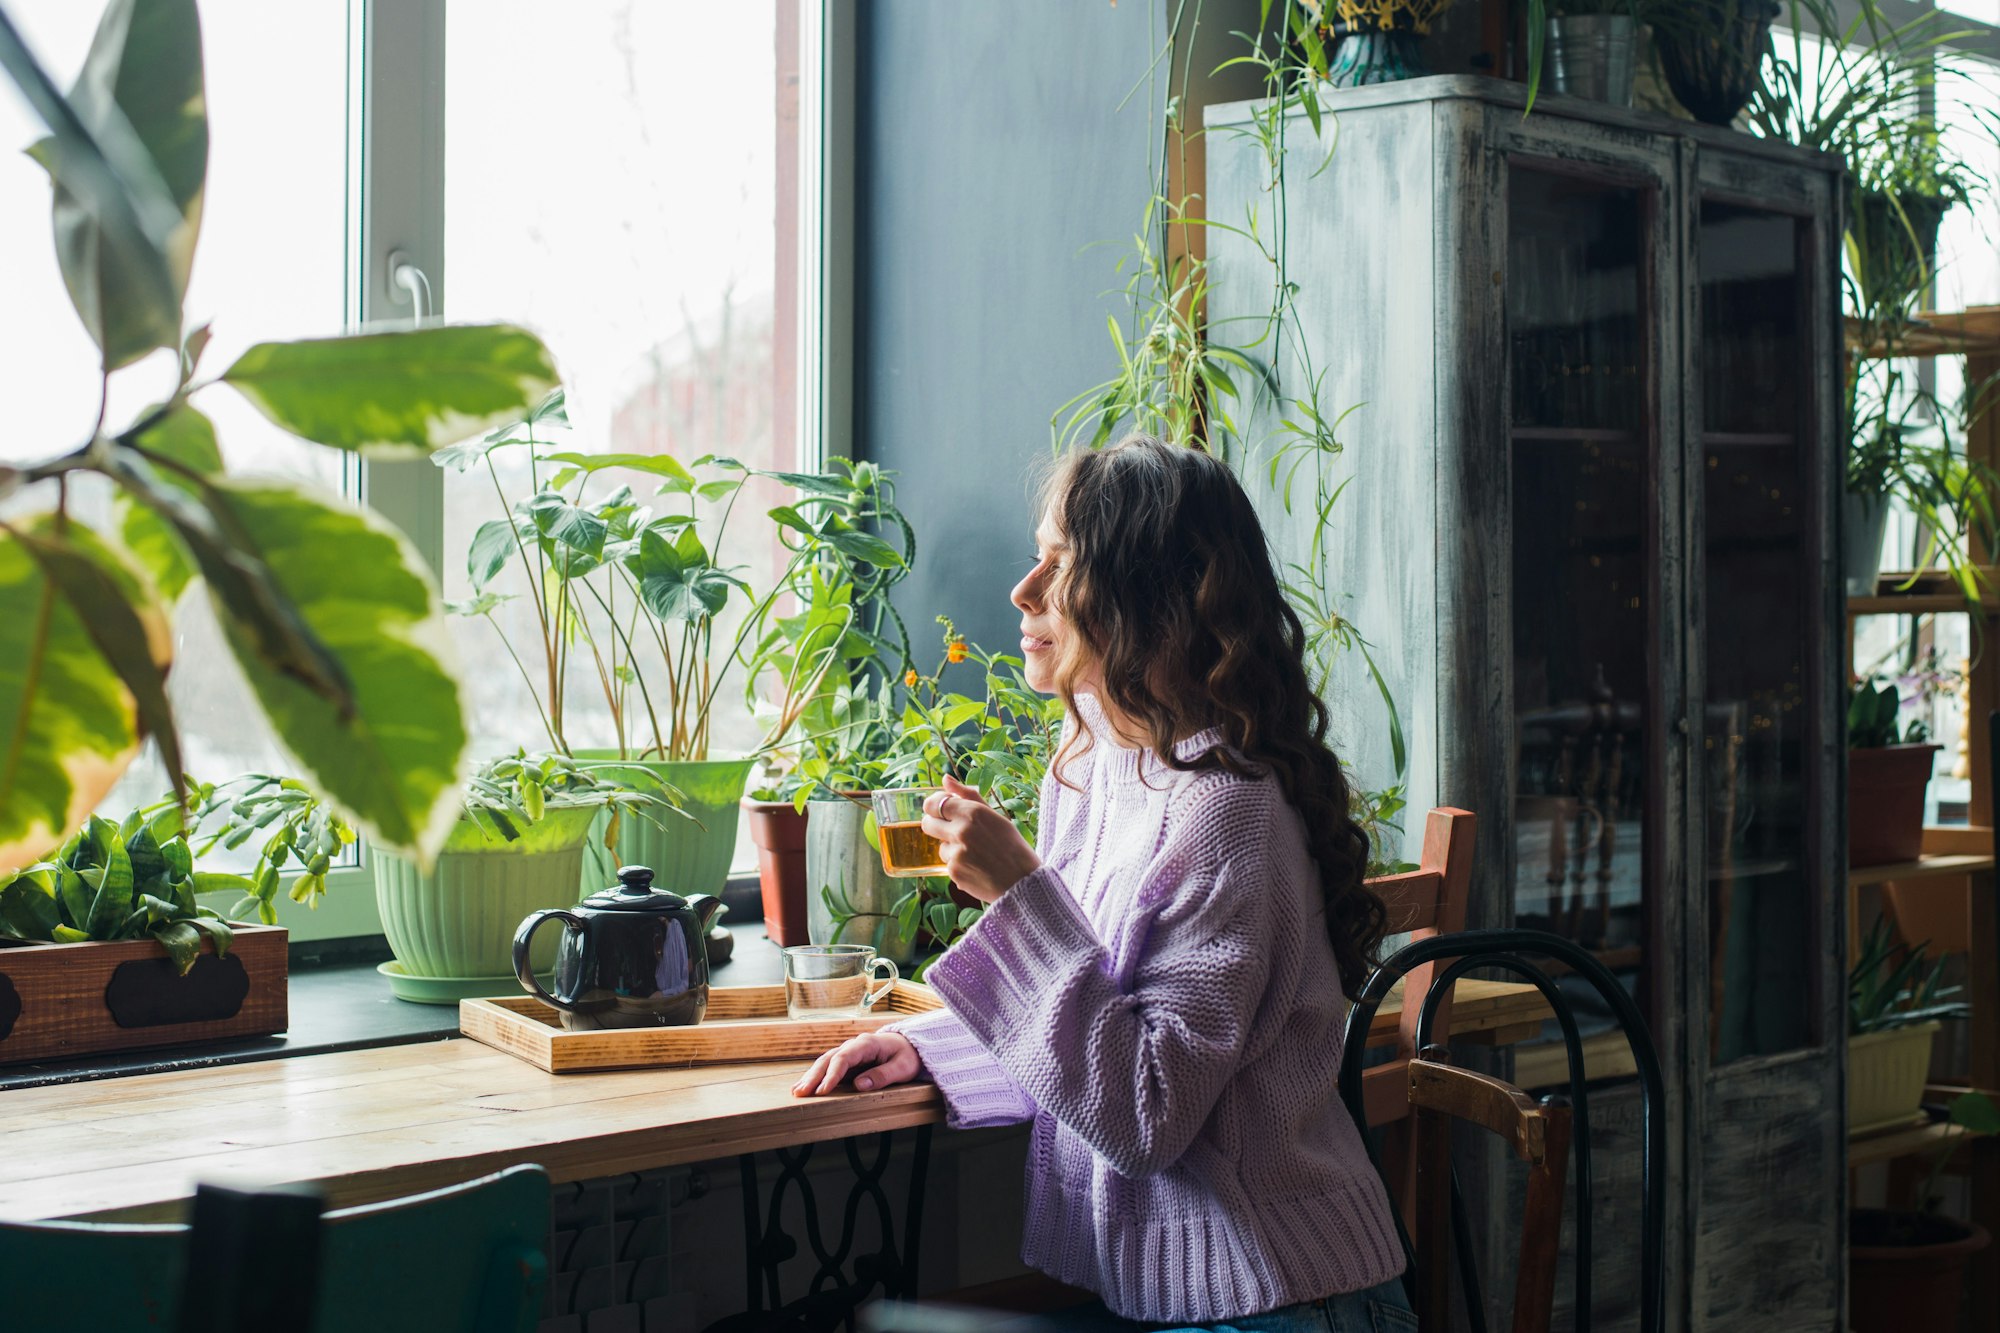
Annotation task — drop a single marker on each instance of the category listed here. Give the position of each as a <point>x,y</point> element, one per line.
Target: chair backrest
<point>1427,901</point>
<point>467,1259</point>
<point>1537,1134</point>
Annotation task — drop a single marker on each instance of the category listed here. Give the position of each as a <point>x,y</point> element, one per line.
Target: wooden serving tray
<point>744,1023</point>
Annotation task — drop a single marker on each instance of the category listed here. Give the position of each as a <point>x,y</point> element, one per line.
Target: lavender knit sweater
<point>1161,1001</point>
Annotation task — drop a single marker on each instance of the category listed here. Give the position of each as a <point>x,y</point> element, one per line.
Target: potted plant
<point>517,848</point>
<point>330,613</point>
<point>103,947</point>
<point>1586,46</point>
<point>1712,52</point>
<point>1869,91</point>
<point>1364,41</point>
<point>1906,1267</point>
<point>823,662</point>
<point>642,599</point>
<point>1894,1004</point>
<point>999,742</point>
<point>1888,772</point>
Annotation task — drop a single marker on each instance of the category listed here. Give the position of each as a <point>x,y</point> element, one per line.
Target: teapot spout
<point>706,908</point>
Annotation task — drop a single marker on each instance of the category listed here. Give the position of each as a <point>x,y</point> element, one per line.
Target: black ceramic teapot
<point>631,957</point>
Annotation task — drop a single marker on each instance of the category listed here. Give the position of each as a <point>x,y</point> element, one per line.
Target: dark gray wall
<point>991,159</point>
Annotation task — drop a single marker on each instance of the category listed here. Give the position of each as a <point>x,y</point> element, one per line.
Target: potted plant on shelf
<point>1888,772</point>
<point>331,615</point>
<point>1894,1004</point>
<point>1906,1267</point>
<point>842,641</point>
<point>1712,52</point>
<point>1362,41</point>
<point>1869,92</point>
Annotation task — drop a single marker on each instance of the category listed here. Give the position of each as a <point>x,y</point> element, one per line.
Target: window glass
<point>270,263</point>
<point>622,204</point>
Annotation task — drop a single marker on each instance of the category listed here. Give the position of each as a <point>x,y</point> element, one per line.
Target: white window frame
<point>396,166</point>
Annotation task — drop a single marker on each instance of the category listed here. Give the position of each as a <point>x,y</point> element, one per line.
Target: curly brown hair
<point>1171,599</point>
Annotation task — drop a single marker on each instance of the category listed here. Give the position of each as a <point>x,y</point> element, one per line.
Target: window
<point>625,178</point>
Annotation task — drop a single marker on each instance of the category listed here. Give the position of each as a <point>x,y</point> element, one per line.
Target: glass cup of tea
<point>907,851</point>
<point>835,980</point>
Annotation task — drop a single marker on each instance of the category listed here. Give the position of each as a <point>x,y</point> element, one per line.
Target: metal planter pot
<point>839,859</point>
<point>1864,520</point>
<point>1590,56</point>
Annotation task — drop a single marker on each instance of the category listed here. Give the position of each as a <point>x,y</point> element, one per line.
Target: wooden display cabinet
<point>1589,534</point>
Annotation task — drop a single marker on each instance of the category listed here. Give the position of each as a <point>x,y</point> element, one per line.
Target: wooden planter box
<point>61,1001</point>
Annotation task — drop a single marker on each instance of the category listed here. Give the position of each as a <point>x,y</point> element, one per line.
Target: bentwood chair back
<point>1538,1135</point>
<point>467,1259</point>
<point>1424,902</point>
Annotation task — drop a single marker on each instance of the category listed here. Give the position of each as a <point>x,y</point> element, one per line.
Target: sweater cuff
<point>997,978</point>
<point>977,1091</point>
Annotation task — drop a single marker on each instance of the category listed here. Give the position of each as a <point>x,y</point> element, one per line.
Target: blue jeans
<point>1383,1309</point>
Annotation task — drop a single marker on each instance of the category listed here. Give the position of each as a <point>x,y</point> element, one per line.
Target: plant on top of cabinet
<point>1712,53</point>
<point>1586,46</point>
<point>1364,41</point>
<point>330,612</point>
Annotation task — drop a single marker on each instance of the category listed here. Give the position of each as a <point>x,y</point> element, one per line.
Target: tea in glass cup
<point>907,851</point>
<point>835,980</point>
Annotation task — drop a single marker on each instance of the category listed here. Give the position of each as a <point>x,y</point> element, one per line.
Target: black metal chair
<point>1509,950</point>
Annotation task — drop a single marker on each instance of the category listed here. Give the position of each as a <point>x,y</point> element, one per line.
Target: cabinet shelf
<point>1737,439</point>
<point>1570,435</point>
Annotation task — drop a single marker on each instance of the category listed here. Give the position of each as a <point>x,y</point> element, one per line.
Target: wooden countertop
<point>376,1124</point>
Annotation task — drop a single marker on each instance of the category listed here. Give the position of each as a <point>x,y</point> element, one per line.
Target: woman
<point>1159,987</point>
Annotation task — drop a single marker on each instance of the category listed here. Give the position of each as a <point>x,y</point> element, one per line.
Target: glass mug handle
<point>888,982</point>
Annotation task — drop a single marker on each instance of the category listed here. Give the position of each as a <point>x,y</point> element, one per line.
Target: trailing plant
<point>299,833</point>
<point>1873,711</point>
<point>1194,382</point>
<point>330,613</point>
<point>123,881</point>
<point>1889,987</point>
<point>642,596</point>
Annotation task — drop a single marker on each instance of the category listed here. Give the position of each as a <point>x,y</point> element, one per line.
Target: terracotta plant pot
<point>1894,1284</point>
<point>1885,1076</point>
<point>1885,803</point>
<point>780,834</point>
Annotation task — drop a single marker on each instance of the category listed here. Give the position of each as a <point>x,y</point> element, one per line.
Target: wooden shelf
<point>1888,1145</point>
<point>1916,604</point>
<point>1924,867</point>
<point>1974,330</point>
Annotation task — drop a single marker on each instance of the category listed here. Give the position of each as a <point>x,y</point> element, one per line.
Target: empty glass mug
<point>835,980</point>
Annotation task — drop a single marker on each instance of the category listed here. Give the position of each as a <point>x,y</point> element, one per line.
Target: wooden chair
<point>1538,1135</point>
<point>468,1259</point>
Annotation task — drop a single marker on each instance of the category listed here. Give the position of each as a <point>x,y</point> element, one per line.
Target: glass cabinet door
<point>1756,590</point>
<point>1583,578</point>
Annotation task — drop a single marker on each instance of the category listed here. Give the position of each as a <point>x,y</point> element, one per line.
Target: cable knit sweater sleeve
<point>1134,1068</point>
<point>977,1091</point>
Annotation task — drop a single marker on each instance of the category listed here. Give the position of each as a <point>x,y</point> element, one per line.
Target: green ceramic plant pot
<point>685,855</point>
<point>459,918</point>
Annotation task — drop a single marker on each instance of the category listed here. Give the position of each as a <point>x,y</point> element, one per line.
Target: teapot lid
<point>634,892</point>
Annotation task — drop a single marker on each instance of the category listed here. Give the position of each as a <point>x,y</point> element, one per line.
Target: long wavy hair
<point>1172,602</point>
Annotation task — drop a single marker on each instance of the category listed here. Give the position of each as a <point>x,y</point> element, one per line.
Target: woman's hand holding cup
<point>983,852</point>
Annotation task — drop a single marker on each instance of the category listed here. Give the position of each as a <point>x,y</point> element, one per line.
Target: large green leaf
<point>142,83</point>
<point>28,908</point>
<point>122,615</point>
<point>391,763</point>
<point>68,726</point>
<point>182,436</point>
<point>411,389</point>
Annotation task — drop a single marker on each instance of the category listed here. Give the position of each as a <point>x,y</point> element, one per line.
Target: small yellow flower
<point>910,679</point>
<point>955,651</point>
